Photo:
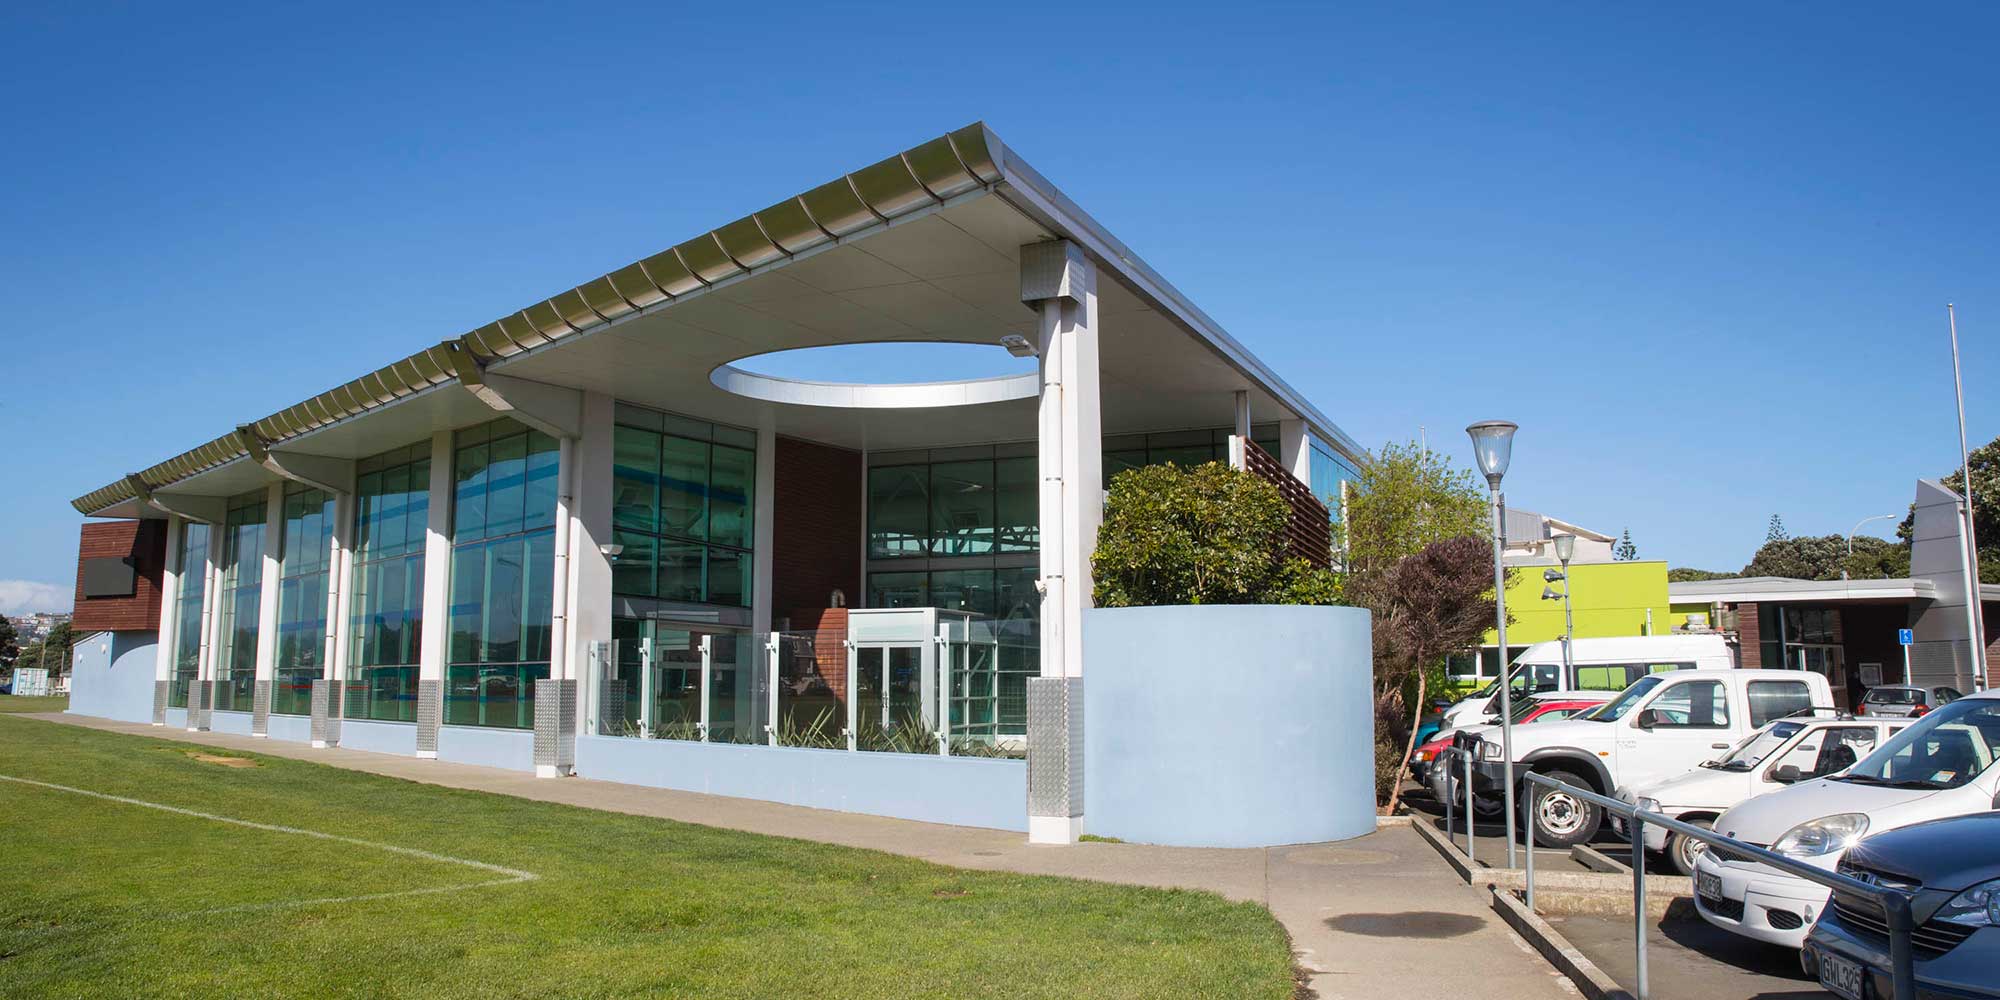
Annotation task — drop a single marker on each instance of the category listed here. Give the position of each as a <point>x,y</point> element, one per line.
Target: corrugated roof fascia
<point>924,176</point>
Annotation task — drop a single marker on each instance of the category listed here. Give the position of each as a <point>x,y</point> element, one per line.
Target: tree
<point>1406,498</point>
<point>1208,535</point>
<point>10,648</point>
<point>1688,574</point>
<point>1434,602</point>
<point>1822,557</point>
<point>1776,531</point>
<point>1625,551</point>
<point>53,651</point>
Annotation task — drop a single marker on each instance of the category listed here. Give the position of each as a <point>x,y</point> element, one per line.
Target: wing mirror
<point>1647,719</point>
<point>1786,775</point>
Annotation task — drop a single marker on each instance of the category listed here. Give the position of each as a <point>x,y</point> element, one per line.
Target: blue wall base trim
<point>513,749</point>
<point>962,791</point>
<point>379,737</point>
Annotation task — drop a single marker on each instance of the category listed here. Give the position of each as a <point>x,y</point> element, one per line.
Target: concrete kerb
<point>1588,978</point>
<point>1594,892</point>
<point>1598,861</point>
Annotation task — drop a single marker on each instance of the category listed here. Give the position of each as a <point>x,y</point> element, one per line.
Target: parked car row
<point>1902,794</point>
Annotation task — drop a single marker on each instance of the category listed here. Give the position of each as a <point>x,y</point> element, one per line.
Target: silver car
<point>1905,700</point>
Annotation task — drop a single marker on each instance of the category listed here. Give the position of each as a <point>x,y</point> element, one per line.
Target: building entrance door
<point>892,704</point>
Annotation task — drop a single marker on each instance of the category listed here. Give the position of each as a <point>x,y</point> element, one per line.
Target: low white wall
<point>1228,725</point>
<point>111,676</point>
<point>962,791</point>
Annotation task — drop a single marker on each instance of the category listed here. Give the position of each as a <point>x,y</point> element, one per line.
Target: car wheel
<point>1560,819</point>
<point>1683,850</point>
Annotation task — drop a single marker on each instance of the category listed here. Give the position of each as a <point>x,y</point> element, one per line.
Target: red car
<point>1531,711</point>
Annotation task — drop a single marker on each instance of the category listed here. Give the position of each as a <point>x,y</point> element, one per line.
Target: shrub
<point>1208,535</point>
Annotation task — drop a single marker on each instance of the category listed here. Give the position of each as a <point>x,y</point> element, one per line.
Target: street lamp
<point>1851,534</point>
<point>1493,447</point>
<point>1565,551</point>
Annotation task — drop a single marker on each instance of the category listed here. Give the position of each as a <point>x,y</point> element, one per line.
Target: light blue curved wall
<point>111,676</point>
<point>1228,725</point>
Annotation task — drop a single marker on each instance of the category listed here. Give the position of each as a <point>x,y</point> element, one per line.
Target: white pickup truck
<point>1661,726</point>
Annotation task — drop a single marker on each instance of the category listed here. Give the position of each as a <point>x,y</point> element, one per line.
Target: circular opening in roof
<point>898,375</point>
<point>887,363</point>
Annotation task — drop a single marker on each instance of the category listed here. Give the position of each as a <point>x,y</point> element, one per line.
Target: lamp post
<point>1851,534</point>
<point>1565,551</point>
<point>1493,447</point>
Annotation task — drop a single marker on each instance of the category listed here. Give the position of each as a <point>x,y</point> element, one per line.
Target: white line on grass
<point>512,875</point>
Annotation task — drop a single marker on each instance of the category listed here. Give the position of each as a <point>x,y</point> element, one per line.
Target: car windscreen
<point>1616,708</point>
<point>1894,696</point>
<point>1950,747</point>
<point>1749,752</point>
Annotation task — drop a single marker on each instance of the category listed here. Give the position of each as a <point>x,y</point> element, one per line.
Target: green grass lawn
<point>55,703</point>
<point>102,898</point>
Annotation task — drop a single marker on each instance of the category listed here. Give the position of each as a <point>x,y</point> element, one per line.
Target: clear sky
<point>1699,253</point>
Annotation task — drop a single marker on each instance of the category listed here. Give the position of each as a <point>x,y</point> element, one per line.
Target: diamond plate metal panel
<point>160,692</point>
<point>322,700</point>
<point>555,723</point>
<point>260,708</point>
<point>430,714</point>
<point>197,716</point>
<point>1055,746</point>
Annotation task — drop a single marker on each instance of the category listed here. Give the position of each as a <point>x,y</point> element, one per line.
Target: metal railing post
<point>1531,863</point>
<point>1469,856</point>
<point>1638,827</point>
<point>1450,800</point>
<point>1902,970</point>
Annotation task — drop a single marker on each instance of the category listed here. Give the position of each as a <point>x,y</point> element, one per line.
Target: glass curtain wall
<point>238,601</point>
<point>682,503</point>
<point>305,554</point>
<point>187,634</point>
<point>502,573</point>
<point>1184,448</point>
<point>391,514</point>
<point>959,528</point>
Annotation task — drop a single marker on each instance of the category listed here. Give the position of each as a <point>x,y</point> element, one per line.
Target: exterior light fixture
<point>611,550</point>
<point>1493,447</point>
<point>1565,548</point>
<point>1551,594</point>
<point>1019,346</point>
<point>1552,575</point>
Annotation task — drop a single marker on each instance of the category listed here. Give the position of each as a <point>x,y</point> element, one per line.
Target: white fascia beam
<point>205,509</point>
<point>334,475</point>
<point>552,409</point>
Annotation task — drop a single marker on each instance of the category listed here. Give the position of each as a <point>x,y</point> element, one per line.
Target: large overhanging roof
<point>964,164</point>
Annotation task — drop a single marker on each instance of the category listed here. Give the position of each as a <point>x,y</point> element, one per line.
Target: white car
<point>1595,665</point>
<point>1661,726</point>
<point>1941,765</point>
<point>1446,782</point>
<point>1774,757</point>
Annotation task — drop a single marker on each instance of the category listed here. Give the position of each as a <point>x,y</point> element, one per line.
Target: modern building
<point>588,538</point>
<point>1608,597</point>
<point>1853,631</point>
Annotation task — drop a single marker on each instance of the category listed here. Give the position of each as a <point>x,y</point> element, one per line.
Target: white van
<point>1596,665</point>
<point>1777,756</point>
<point>1943,765</point>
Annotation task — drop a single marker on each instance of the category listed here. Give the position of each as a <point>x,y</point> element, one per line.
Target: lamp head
<point>1565,548</point>
<point>1493,446</point>
<point>1549,594</point>
<point>1552,575</point>
<point>1019,346</point>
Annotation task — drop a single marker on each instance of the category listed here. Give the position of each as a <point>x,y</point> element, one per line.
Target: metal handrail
<point>1895,904</point>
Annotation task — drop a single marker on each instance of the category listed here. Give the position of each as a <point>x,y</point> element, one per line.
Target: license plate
<point>1708,885</point>
<point>1840,975</point>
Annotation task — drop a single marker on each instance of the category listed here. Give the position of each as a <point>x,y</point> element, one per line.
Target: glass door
<point>886,708</point>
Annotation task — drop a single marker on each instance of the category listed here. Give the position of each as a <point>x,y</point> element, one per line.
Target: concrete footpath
<point>1377,916</point>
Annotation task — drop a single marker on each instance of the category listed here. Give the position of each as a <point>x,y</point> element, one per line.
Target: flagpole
<point>1974,612</point>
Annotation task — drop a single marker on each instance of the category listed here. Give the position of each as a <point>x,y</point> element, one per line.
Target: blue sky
<point>1701,254</point>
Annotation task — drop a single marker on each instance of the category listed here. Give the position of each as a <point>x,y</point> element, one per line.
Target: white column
<point>211,622</point>
<point>432,646</point>
<point>339,588</point>
<point>267,605</point>
<point>170,609</point>
<point>1239,438</point>
<point>590,528</point>
<point>1294,451</point>
<point>763,507</point>
<point>1062,283</point>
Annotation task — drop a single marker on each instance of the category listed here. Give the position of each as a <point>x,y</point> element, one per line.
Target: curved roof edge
<point>919,178</point>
